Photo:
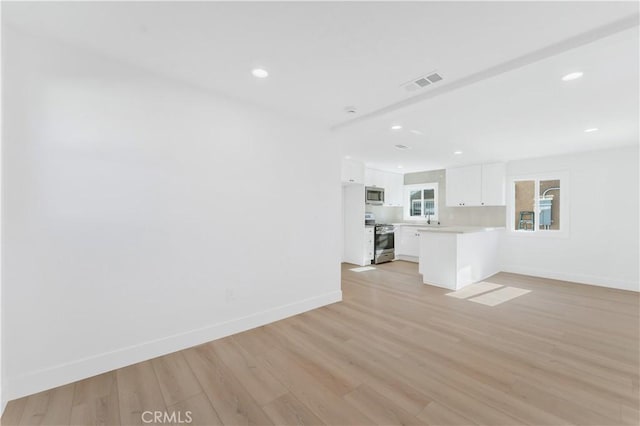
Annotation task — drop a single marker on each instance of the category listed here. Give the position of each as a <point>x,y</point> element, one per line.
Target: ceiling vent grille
<point>434,78</point>
<point>424,81</point>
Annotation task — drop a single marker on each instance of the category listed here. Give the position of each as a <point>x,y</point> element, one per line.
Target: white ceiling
<point>325,56</point>
<point>528,112</point>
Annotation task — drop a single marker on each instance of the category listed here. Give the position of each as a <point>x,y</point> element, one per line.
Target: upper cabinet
<point>352,171</point>
<point>373,177</point>
<point>479,185</point>
<point>394,191</point>
<point>494,184</point>
<point>393,184</point>
<point>464,186</point>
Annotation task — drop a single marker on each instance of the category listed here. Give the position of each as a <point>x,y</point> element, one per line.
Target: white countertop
<point>459,229</point>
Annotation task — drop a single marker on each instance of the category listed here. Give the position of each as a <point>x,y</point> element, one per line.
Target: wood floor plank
<point>175,377</point>
<point>437,414</point>
<point>376,337</point>
<point>13,412</point>
<point>332,377</point>
<point>630,416</point>
<point>287,410</point>
<point>231,401</point>
<point>477,387</point>
<point>394,351</point>
<point>340,378</point>
<point>354,311</point>
<point>367,371</point>
<point>52,407</point>
<point>380,409</point>
<point>138,391</point>
<point>262,386</point>
<point>255,341</point>
<point>198,409</point>
<point>328,406</point>
<point>441,390</point>
<point>95,401</point>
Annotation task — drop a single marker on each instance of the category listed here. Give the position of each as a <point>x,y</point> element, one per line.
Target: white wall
<point>142,216</point>
<point>602,244</point>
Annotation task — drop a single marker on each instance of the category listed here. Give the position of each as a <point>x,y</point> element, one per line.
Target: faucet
<point>429,218</point>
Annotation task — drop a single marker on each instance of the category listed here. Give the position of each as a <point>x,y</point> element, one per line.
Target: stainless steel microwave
<point>374,195</point>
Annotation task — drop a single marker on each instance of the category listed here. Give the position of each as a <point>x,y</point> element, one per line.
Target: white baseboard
<point>62,374</point>
<point>413,259</point>
<point>576,278</point>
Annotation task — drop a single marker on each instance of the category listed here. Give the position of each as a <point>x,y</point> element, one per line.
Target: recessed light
<point>347,157</point>
<point>457,152</point>
<point>400,166</point>
<point>259,73</point>
<point>572,76</point>
<point>400,146</point>
<point>592,129</point>
<point>396,127</point>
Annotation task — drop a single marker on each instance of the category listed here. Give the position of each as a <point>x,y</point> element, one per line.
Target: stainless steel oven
<point>384,244</point>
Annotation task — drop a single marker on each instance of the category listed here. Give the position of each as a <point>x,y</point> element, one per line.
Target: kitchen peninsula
<point>456,256</point>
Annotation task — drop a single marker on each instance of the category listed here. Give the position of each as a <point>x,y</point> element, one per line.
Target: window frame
<point>565,199</point>
<point>421,187</point>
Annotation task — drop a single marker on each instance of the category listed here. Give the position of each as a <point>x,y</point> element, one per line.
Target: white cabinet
<point>352,171</point>
<point>368,243</point>
<point>373,177</point>
<point>479,185</point>
<point>493,184</point>
<point>464,186</point>
<point>393,184</point>
<point>454,260</point>
<point>393,190</point>
<point>407,242</point>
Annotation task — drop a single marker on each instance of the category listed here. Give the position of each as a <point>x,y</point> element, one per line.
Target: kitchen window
<point>421,201</point>
<point>538,204</point>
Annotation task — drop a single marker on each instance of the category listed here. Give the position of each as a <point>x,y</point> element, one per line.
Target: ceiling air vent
<point>424,81</point>
<point>434,78</point>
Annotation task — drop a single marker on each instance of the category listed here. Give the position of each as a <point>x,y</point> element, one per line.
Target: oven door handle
<point>385,232</point>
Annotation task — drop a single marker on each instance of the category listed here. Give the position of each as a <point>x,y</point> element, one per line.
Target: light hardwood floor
<point>393,352</point>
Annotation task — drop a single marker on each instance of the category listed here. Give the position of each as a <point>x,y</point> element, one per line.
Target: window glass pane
<point>415,200</point>
<point>421,202</point>
<point>416,209</point>
<point>429,202</point>
<point>415,195</point>
<point>429,207</point>
<point>549,203</point>
<point>525,219</point>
